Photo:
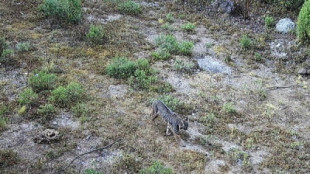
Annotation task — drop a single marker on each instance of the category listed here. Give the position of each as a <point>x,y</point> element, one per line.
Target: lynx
<point>174,122</point>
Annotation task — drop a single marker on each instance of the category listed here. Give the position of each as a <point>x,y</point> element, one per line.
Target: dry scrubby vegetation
<point>74,62</point>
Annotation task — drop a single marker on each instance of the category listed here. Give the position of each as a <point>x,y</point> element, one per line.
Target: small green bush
<point>168,27</point>
<point>303,23</point>
<point>3,109</point>
<point>3,120</point>
<point>229,108</point>
<point>27,97</point>
<point>66,96</point>
<point>181,66</point>
<point>162,87</point>
<point>169,17</point>
<point>157,167</point>
<point>121,68</point>
<point>42,80</point>
<point>238,155</point>
<point>167,42</point>
<point>95,34</point>
<point>92,171</point>
<point>185,48</point>
<point>161,54</point>
<point>189,27</point>
<point>23,46</point>
<point>47,110</point>
<point>246,42</point>
<point>66,10</point>
<point>80,110</point>
<point>142,80</point>
<point>292,4</point>
<point>258,57</point>
<point>129,7</point>
<point>2,123</point>
<point>3,45</point>
<point>144,77</point>
<point>7,52</point>
<point>269,22</point>
<point>171,102</point>
<point>170,44</point>
<point>143,64</point>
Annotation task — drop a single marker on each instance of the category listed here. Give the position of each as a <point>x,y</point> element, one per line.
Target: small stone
<point>285,25</point>
<point>304,71</point>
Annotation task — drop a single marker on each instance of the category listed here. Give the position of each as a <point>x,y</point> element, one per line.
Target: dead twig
<point>102,148</point>
<point>278,87</point>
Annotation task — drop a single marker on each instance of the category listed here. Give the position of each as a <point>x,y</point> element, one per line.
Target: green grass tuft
<point>129,7</point>
<point>27,97</point>
<point>63,10</point>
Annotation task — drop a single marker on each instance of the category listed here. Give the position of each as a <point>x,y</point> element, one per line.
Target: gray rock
<point>224,6</point>
<point>304,71</point>
<point>213,65</point>
<point>285,25</point>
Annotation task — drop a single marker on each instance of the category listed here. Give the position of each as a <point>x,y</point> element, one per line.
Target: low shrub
<point>2,123</point>
<point>246,42</point>
<point>238,156</point>
<point>189,27</point>
<point>69,95</point>
<point>129,7</point>
<point>3,45</point>
<point>80,110</point>
<point>27,97</point>
<point>23,46</point>
<point>162,87</point>
<point>5,52</point>
<point>64,10</point>
<point>161,54</point>
<point>3,120</point>
<point>157,167</point>
<point>47,110</point>
<point>169,43</point>
<point>144,77</point>
<point>143,64</point>
<point>173,103</point>
<point>229,108</point>
<point>185,48</point>
<point>269,22</point>
<point>42,80</point>
<point>95,34</point>
<point>91,171</point>
<point>6,55</point>
<point>142,80</point>
<point>258,57</point>
<point>303,23</point>
<point>169,17</point>
<point>168,27</point>
<point>181,66</point>
<point>121,68</point>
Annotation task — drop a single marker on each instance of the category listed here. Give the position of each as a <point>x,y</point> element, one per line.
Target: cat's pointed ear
<point>186,119</point>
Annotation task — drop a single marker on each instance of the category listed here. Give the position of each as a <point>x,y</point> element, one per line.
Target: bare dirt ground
<point>246,116</point>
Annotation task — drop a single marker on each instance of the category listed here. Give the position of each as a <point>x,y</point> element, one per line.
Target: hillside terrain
<point>73,84</point>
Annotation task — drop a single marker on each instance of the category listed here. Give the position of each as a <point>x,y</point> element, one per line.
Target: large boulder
<point>285,25</point>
